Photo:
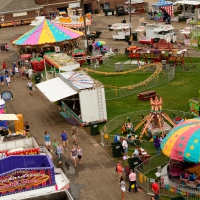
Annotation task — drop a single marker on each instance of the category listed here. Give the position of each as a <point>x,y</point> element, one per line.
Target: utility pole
<point>48,9</point>
<point>130,16</point>
<point>85,27</point>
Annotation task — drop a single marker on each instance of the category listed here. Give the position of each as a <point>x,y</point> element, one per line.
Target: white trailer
<point>151,31</point>
<point>121,30</point>
<point>83,97</point>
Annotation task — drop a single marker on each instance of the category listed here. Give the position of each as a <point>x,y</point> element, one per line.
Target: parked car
<point>120,10</point>
<point>95,34</point>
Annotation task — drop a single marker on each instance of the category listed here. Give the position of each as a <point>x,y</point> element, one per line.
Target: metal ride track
<point>156,73</point>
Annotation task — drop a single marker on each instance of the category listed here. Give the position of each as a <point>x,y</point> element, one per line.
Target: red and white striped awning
<point>169,9</point>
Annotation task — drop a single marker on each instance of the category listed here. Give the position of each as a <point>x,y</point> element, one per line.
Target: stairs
<point>100,103</point>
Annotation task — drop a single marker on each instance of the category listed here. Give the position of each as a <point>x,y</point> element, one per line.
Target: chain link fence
<point>168,188</point>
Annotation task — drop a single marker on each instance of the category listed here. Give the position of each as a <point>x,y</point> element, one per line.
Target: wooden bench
<point>145,96</point>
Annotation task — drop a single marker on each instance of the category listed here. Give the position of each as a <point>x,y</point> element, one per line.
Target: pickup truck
<point>95,34</point>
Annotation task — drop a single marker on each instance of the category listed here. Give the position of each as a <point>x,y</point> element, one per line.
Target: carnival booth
<point>45,36</point>
<point>61,61</point>
<point>159,31</point>
<point>74,20</point>
<point>83,98</point>
<point>162,10</point>
<point>121,30</point>
<point>137,6</point>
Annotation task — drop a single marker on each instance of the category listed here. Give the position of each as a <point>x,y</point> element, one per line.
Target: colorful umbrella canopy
<point>183,141</point>
<point>46,33</point>
<point>99,43</point>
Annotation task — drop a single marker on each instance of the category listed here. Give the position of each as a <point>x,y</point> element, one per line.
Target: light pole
<point>130,16</point>
<point>85,27</point>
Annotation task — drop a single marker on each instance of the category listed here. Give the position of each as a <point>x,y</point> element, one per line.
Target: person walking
<point>74,133</point>
<point>155,189</point>
<point>123,187</point>
<point>119,170</point>
<point>80,154</point>
<point>4,65</point>
<point>96,64</point>
<point>64,139</point>
<point>157,144</point>
<point>2,80</point>
<point>59,152</point>
<point>132,181</point>
<point>8,81</point>
<point>47,140</point>
<point>55,144</point>
<point>30,87</point>
<point>74,154</point>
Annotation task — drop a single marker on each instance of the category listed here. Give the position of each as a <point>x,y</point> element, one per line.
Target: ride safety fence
<point>170,188</point>
<point>107,137</point>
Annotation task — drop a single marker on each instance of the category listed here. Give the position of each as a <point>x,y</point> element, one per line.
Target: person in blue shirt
<point>2,80</point>
<point>47,140</point>
<point>117,138</point>
<point>64,139</point>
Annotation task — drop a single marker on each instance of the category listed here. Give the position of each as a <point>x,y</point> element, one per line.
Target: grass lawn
<point>175,94</point>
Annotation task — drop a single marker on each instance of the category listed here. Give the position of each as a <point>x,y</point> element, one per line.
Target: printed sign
<point>19,14</point>
<point>74,5</point>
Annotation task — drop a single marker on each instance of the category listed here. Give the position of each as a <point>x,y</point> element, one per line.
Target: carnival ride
<point>156,117</point>
<point>160,52</point>
<point>156,73</point>
<point>181,145</point>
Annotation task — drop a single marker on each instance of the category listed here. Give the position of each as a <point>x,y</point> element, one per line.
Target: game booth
<point>61,61</point>
<point>121,30</point>
<point>73,20</point>
<point>137,6</point>
<point>82,98</point>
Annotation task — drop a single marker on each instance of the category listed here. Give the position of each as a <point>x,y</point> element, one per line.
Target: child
<point>179,45</point>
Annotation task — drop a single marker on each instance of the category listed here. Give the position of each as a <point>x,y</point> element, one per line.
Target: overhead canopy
<point>118,26</point>
<point>8,117</point>
<point>187,2</point>
<point>161,3</point>
<point>134,2</point>
<point>46,33</point>
<point>56,89</point>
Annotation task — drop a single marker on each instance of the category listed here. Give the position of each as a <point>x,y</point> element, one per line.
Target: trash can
<point>127,37</point>
<point>159,169</point>
<point>96,11</point>
<point>134,36</point>
<point>38,78</point>
<point>94,126</point>
<point>116,149</point>
<point>134,162</point>
<point>119,67</point>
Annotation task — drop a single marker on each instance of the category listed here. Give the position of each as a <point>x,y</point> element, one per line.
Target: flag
<point>169,9</point>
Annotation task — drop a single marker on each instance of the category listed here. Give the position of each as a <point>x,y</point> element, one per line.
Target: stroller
<point>127,172</point>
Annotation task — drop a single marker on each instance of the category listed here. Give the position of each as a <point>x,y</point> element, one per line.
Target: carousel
<point>183,170</point>
<point>46,38</point>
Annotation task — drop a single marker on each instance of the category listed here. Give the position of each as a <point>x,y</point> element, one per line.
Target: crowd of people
<point>59,147</point>
<point>16,71</point>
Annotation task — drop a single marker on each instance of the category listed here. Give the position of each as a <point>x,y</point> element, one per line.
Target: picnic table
<point>145,96</point>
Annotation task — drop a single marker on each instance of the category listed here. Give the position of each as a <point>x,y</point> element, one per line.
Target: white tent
<point>187,2</point>
<point>9,117</point>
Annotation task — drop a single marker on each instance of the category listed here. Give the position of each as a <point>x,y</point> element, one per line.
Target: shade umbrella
<point>98,43</point>
<point>46,33</point>
<point>183,141</point>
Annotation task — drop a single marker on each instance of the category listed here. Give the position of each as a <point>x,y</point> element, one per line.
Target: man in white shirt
<point>30,87</point>
<point>8,81</point>
<point>30,73</point>
<point>125,146</point>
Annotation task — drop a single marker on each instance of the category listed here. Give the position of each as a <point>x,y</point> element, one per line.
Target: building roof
<point>15,6</point>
